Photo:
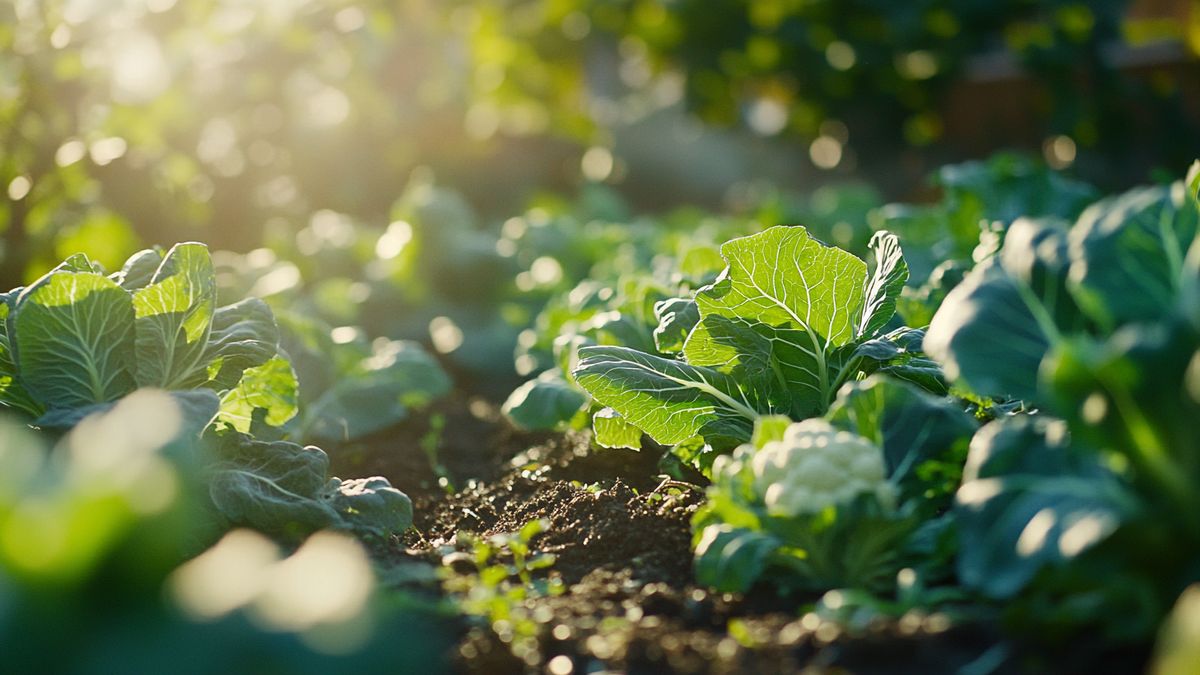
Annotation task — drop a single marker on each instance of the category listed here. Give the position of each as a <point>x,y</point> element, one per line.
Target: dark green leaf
<point>544,403</point>
<point>1030,499</point>
<point>371,506</point>
<point>281,489</point>
<point>732,559</point>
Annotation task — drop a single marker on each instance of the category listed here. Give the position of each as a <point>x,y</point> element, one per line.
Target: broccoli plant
<point>75,341</point>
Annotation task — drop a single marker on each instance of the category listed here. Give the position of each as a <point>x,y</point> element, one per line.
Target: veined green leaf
<point>612,431</point>
<point>270,387</point>
<point>775,318</point>
<point>887,281</point>
<point>173,317</point>
<point>670,400</point>
<point>75,340</point>
<point>782,276</point>
<point>243,335</point>
<point>773,367</point>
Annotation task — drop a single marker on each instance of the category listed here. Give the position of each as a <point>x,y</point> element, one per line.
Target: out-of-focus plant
<point>153,122</point>
<point>350,388</point>
<point>1088,507</point>
<point>92,535</point>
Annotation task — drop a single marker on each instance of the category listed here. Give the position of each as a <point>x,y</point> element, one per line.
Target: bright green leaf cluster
<point>787,323</point>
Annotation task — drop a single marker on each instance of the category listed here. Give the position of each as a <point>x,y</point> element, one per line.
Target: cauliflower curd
<point>813,467</point>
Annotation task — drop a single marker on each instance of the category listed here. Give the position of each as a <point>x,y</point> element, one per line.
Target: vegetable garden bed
<point>630,602</point>
<point>739,448</point>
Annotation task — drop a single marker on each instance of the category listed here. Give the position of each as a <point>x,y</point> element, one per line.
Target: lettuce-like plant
<point>787,323</point>
<point>75,341</point>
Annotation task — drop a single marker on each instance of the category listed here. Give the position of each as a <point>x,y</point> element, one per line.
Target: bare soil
<point>621,537</point>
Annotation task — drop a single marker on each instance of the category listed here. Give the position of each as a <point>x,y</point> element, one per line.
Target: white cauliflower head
<point>816,466</point>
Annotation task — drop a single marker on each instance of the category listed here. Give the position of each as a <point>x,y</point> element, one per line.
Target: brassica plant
<point>285,490</point>
<point>787,323</point>
<point>350,388</point>
<point>840,502</point>
<point>806,503</point>
<point>1094,325</point>
<point>76,340</point>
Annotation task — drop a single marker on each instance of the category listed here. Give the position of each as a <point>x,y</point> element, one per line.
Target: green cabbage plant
<point>77,340</point>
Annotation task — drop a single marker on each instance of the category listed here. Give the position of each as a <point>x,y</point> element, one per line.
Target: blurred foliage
<point>94,530</point>
<point>882,74</point>
<point>785,64</point>
<point>163,121</point>
<point>149,121</point>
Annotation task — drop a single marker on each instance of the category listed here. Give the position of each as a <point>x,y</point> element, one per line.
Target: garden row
<point>757,439</point>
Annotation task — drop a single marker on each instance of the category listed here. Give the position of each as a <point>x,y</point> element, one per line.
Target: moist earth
<point>619,531</point>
